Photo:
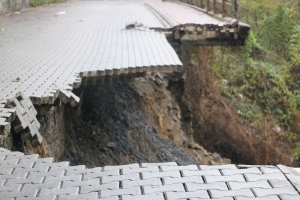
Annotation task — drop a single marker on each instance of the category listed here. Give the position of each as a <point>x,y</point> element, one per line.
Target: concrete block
<point>214,179</point>
<point>272,197</point>
<point>144,197</point>
<point>188,173</point>
<point>149,175</point>
<point>191,179</point>
<point>129,191</point>
<point>256,177</point>
<point>90,196</point>
<point>154,182</point>
<point>113,186</point>
<point>191,187</point>
<point>257,184</point>
<point>210,167</point>
<point>228,172</point>
<point>132,177</point>
<point>69,191</point>
<point>188,195</point>
<point>274,191</point>
<point>164,188</point>
<point>235,193</point>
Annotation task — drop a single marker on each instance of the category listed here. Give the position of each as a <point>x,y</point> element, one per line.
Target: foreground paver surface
<point>30,177</point>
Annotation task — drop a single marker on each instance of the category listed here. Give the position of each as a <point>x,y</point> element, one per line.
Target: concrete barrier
<point>8,6</point>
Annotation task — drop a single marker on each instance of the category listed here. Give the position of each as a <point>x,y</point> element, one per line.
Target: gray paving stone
<point>130,166</point>
<point>254,166</point>
<point>132,177</point>
<point>191,187</point>
<point>35,180</point>
<point>274,191</point>
<point>228,172</point>
<point>246,185</point>
<point>91,175</point>
<point>60,166</point>
<point>10,153</point>
<point>54,191</point>
<point>234,193</point>
<point>272,197</point>
<point>223,198</point>
<point>279,183</point>
<point>135,170</point>
<point>187,195</point>
<point>6,171</point>
<point>165,188</point>
<point>77,183</point>
<point>153,182</point>
<point>159,164</point>
<point>268,170</point>
<point>210,167</point>
<point>63,178</point>
<point>11,188</point>
<point>109,186</point>
<point>289,197</point>
<point>214,179</point>
<point>73,170</point>
<point>33,186</point>
<point>130,191</point>
<point>176,168</point>
<point>25,165</point>
<point>287,170</point>
<point>256,177</point>
<point>2,181</point>
<point>14,176</point>
<point>9,162</point>
<point>191,179</point>
<point>110,198</point>
<point>42,162</point>
<point>34,169</point>
<point>92,195</point>
<point>27,193</point>
<point>149,175</point>
<point>49,197</point>
<point>144,197</point>
<point>21,156</point>
<point>213,172</point>
<point>295,180</point>
<point>46,174</point>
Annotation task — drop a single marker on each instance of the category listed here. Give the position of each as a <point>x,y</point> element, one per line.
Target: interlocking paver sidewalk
<point>46,51</point>
<point>69,183</point>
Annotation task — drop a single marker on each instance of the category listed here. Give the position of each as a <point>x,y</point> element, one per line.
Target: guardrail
<point>217,6</point>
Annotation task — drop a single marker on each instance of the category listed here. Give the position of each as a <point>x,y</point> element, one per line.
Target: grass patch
<point>36,3</point>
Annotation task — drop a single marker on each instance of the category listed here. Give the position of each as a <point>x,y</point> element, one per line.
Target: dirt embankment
<point>127,122</point>
<point>142,120</point>
<point>216,124</point>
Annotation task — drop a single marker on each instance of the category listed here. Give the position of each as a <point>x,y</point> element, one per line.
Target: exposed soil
<point>128,122</point>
